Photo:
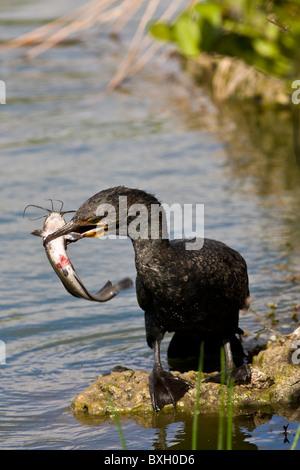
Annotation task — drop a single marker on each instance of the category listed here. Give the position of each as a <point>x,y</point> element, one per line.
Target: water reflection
<point>173,431</point>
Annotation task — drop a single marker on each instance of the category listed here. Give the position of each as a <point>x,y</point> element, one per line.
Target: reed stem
<point>196,411</point>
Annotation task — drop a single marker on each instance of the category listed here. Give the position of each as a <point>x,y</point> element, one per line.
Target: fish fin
<point>124,284</point>
<point>109,291</point>
<point>73,237</point>
<point>38,233</point>
<point>104,291</point>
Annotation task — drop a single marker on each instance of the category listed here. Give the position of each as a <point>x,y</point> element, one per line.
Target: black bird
<point>192,292</point>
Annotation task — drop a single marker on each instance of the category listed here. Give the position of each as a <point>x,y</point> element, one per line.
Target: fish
<point>56,251</point>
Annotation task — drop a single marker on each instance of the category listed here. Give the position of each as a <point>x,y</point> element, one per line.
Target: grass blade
<point>115,415</point>
<point>222,403</point>
<point>196,411</point>
<point>293,447</point>
<point>230,414</point>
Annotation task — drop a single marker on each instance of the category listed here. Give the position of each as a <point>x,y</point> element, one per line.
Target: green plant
<point>262,34</point>
<point>230,402</point>
<point>196,411</point>
<point>226,405</point>
<point>115,415</point>
<point>294,444</point>
<point>271,313</point>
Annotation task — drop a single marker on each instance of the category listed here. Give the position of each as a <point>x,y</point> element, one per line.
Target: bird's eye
<point>93,221</point>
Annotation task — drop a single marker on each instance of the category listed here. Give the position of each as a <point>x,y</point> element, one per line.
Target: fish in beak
<point>56,251</point>
<point>75,230</point>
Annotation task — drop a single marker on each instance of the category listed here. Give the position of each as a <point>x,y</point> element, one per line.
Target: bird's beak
<point>77,230</point>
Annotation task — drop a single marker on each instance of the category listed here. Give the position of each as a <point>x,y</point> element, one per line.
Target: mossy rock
<point>275,387</point>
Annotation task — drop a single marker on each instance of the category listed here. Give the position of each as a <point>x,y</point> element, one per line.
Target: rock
<point>275,387</point>
<point>121,389</point>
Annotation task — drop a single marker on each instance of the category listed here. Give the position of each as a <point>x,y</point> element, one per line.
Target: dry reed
<point>116,12</point>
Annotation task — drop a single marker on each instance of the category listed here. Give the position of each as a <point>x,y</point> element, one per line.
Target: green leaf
<point>266,48</point>
<point>209,19</point>
<point>161,31</point>
<point>188,35</point>
<point>211,11</point>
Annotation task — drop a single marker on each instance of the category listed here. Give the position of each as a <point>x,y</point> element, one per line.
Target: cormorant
<point>192,292</point>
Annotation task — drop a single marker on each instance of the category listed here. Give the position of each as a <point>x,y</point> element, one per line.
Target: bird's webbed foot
<point>165,388</point>
<point>240,375</point>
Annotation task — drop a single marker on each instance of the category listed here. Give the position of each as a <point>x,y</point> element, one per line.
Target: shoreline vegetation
<point>242,50</point>
<point>237,50</point>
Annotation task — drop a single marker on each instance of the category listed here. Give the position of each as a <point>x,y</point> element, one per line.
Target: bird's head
<point>108,212</point>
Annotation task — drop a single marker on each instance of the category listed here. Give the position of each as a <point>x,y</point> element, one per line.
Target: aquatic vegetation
<point>196,411</point>
<point>295,441</point>
<point>271,313</point>
<point>116,418</point>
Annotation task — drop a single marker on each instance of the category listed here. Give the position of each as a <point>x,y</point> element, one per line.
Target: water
<point>63,136</point>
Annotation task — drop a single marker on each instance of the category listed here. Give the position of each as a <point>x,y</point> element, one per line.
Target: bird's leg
<point>240,375</point>
<point>164,387</point>
<point>229,362</point>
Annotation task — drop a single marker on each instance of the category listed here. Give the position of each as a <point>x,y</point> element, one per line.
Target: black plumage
<point>194,293</point>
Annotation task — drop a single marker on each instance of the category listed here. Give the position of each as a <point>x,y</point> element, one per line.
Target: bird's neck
<point>150,252</point>
<point>143,218</point>
<point>149,235</point>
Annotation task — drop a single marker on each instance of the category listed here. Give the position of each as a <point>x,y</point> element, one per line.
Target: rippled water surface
<point>64,136</point>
